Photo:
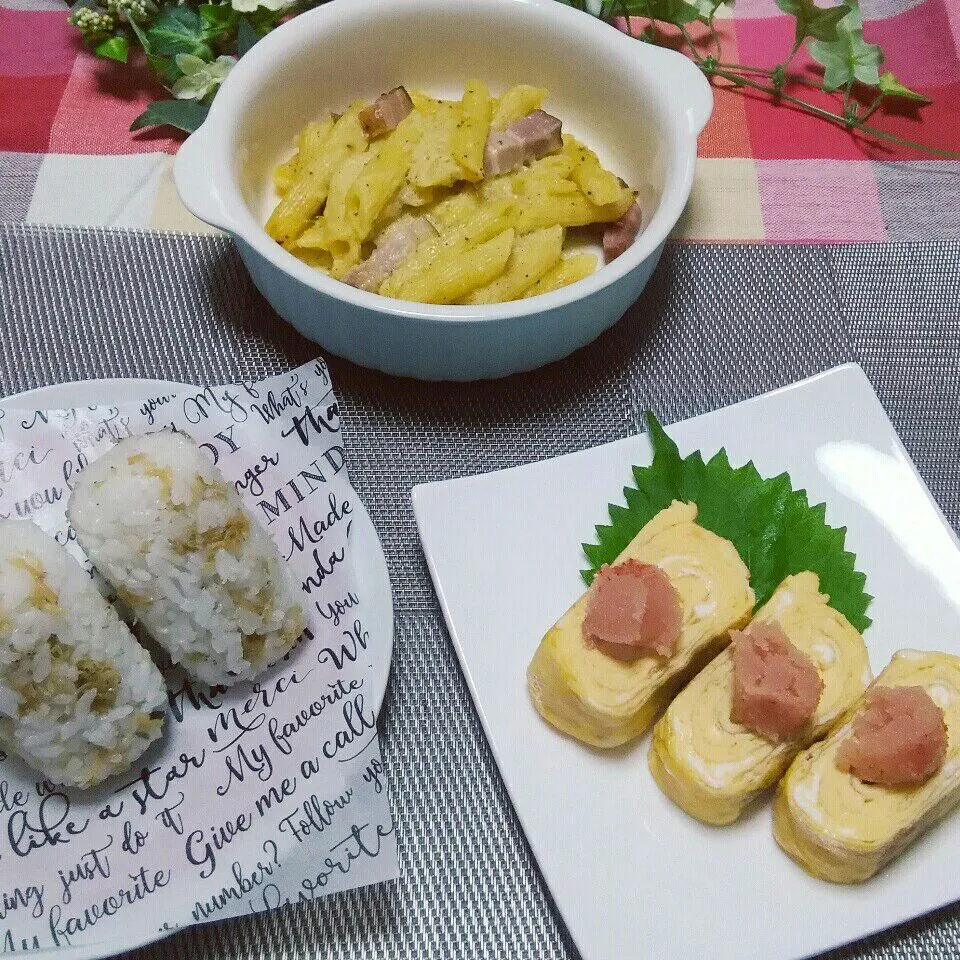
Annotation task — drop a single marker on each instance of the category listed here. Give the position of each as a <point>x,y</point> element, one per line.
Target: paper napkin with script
<point>266,794</point>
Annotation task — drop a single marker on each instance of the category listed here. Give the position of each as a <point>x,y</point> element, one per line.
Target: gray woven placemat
<point>717,324</point>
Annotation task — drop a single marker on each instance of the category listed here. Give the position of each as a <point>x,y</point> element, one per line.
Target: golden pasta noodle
<point>285,174</point>
<point>470,135</point>
<point>568,270</point>
<point>380,181</point>
<point>533,255</point>
<point>334,230</point>
<point>571,209</point>
<point>307,193</point>
<point>517,102</point>
<point>480,226</point>
<point>600,186</point>
<point>455,272</point>
<point>434,163</point>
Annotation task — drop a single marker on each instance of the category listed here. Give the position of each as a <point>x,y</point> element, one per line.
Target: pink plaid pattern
<point>767,171</point>
<point>845,206</point>
<point>57,98</point>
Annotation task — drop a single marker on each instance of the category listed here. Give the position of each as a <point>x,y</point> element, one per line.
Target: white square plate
<point>632,875</point>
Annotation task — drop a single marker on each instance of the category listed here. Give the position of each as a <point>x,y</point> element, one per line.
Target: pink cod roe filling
<point>633,610</point>
<point>776,687</point>
<point>899,740</point>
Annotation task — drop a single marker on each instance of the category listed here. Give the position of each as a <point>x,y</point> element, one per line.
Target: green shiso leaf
<point>773,526</point>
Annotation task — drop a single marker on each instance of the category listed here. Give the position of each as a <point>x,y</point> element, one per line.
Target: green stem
<point>846,97</point>
<point>796,46</point>
<point>871,110</point>
<point>763,71</point>
<point>726,70</point>
<point>625,13</point>
<point>715,34</point>
<point>741,67</point>
<point>836,118</point>
<point>694,52</point>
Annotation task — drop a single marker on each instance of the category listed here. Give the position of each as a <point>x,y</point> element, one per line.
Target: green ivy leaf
<point>677,12</point>
<point>708,8</point>
<point>183,114</point>
<point>849,57</point>
<point>114,48</point>
<point>813,21</point>
<point>246,36</point>
<point>141,35</point>
<point>263,19</point>
<point>165,68</point>
<point>180,30</point>
<point>890,86</point>
<point>219,18</point>
<point>772,525</point>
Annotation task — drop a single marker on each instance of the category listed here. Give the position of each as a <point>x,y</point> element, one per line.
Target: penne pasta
<point>517,102</point>
<point>540,209</point>
<point>567,271</point>
<point>285,174</point>
<point>333,231</point>
<point>456,209</point>
<point>412,196</point>
<point>381,179</point>
<point>466,173</point>
<point>309,144</point>
<point>455,272</point>
<point>554,168</point>
<point>433,162</point>
<point>597,184</point>
<point>320,259</point>
<point>480,226</point>
<point>533,255</point>
<point>307,193</point>
<point>470,135</point>
<point>312,139</point>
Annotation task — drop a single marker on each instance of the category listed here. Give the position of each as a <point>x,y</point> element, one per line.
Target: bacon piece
<point>633,609</point>
<point>776,687</point>
<point>529,138</point>
<point>618,236</point>
<point>394,245</point>
<point>385,112</point>
<point>899,740</point>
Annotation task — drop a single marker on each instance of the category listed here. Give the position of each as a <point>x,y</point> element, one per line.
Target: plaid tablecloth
<point>766,172</point>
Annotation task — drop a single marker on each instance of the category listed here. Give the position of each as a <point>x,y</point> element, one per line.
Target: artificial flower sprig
<point>190,46</point>
<point>193,46</point>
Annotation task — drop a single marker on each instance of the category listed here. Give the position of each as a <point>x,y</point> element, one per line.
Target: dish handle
<point>196,184</point>
<point>684,83</point>
<point>701,100</point>
<point>681,80</point>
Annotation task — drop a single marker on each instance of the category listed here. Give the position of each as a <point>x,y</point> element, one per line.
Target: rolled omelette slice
<point>606,702</point>
<point>841,829</point>
<point>712,767</point>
